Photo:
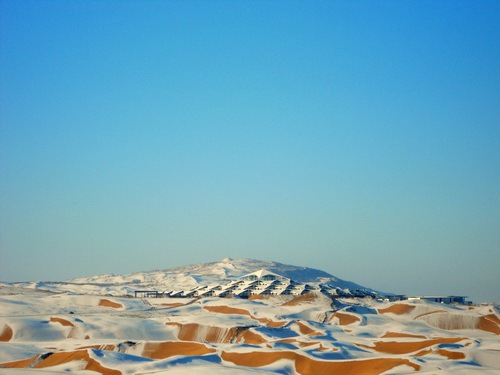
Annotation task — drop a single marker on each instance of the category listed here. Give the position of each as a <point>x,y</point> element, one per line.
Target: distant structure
<point>459,300</point>
<point>148,294</point>
<point>267,283</point>
<point>259,283</point>
<point>394,298</point>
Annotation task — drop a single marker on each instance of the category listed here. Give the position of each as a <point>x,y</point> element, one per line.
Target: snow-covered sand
<point>42,332</point>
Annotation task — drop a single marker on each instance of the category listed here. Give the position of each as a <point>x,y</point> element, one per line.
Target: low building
<point>263,283</point>
<point>148,294</point>
<point>260,283</point>
<point>459,300</point>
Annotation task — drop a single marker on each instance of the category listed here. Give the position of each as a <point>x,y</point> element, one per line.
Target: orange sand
<point>345,319</point>
<point>109,347</point>
<point>291,340</point>
<point>278,324</point>
<point>78,355</point>
<point>24,363</point>
<point>423,352</point>
<point>256,297</point>
<point>429,313</point>
<point>308,366</point>
<point>256,359</point>
<point>489,323</point>
<point>306,344</point>
<point>173,324</point>
<point>236,311</point>
<point>108,303</point>
<point>493,318</point>
<point>399,334</point>
<point>161,350</point>
<point>7,333</point>
<point>443,352</point>
<point>64,322</point>
<point>398,309</point>
<point>394,347</point>
<point>176,304</point>
<point>303,344</point>
<point>305,298</point>
<point>189,332</point>
<point>306,330</point>
<point>227,310</point>
<point>450,355</point>
<point>61,358</point>
<point>249,337</point>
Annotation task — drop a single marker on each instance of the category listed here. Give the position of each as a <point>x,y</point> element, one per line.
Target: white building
<point>460,300</point>
<point>263,283</point>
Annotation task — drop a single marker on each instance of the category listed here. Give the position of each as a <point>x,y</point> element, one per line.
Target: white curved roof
<point>262,273</point>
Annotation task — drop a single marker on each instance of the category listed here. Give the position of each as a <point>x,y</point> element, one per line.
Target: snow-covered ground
<point>93,326</point>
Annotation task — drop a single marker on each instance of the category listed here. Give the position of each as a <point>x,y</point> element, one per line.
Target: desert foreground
<point>43,332</point>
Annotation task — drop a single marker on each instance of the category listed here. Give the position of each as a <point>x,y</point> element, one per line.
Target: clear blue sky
<point>358,137</point>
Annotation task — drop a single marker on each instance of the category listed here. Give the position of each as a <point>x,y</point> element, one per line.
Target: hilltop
<point>192,276</point>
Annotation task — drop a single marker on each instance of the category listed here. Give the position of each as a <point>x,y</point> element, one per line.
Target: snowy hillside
<point>191,276</point>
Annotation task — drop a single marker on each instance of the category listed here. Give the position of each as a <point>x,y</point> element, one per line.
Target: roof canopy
<point>264,275</point>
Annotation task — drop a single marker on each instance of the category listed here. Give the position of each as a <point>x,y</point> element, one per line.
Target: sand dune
<point>228,310</point>
<point>489,323</point>
<point>249,337</point>
<point>176,304</point>
<point>307,330</point>
<point>406,347</point>
<point>305,298</point>
<point>202,333</point>
<point>161,350</point>
<point>63,322</point>
<point>450,355</point>
<point>302,336</point>
<point>238,311</point>
<point>79,355</point>
<point>6,333</point>
<point>344,319</point>
<point>108,303</point>
<point>401,334</point>
<point>59,358</point>
<point>308,366</point>
<point>397,308</point>
<point>24,363</point>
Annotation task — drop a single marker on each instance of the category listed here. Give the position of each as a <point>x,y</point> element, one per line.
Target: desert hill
<point>192,276</point>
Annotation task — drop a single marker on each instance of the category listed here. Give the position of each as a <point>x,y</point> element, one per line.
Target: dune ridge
<point>308,336</point>
<point>107,303</point>
<point>162,350</point>
<point>308,366</point>
<point>6,333</point>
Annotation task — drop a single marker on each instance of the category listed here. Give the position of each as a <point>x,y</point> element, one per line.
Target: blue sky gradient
<point>361,138</point>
